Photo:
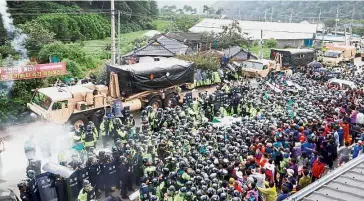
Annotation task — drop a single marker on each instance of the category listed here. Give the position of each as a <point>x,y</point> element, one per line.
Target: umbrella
<point>315,64</point>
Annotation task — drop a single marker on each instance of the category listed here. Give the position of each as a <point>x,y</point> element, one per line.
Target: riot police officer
<point>124,176</point>
<point>87,193</point>
<point>24,191</point>
<point>145,193</point>
<point>106,128</point>
<point>33,187</point>
<point>76,162</point>
<point>89,138</point>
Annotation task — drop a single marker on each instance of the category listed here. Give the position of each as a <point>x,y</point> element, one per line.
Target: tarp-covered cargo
<point>156,75</point>
<point>294,57</point>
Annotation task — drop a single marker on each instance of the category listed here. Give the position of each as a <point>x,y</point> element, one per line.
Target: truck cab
<point>257,68</point>
<point>332,58</point>
<point>74,104</point>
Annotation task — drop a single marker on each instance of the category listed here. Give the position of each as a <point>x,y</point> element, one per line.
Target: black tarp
<point>294,57</point>
<point>152,75</point>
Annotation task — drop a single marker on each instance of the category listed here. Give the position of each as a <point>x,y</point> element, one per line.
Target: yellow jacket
<point>270,194</point>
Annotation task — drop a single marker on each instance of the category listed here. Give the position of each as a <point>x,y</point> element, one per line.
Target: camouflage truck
<point>133,86</point>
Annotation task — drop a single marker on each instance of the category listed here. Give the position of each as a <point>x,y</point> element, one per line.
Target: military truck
<point>337,55</point>
<point>261,68</point>
<point>133,86</point>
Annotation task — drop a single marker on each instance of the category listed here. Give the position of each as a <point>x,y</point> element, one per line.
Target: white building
<point>287,34</point>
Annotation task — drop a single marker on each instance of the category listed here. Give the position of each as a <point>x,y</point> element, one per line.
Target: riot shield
<point>61,187</point>
<point>47,190</point>
<point>95,175</point>
<point>110,177</point>
<point>82,175</point>
<point>72,187</point>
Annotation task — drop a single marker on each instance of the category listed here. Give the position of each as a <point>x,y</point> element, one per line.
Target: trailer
<point>294,57</point>
<point>129,86</point>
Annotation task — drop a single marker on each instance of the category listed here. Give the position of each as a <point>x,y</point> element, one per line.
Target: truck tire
<point>77,119</point>
<point>155,102</point>
<point>167,100</point>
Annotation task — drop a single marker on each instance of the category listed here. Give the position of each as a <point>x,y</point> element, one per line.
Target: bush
<point>271,43</point>
<point>204,62</point>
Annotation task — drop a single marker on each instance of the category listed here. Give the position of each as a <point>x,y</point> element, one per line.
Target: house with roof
<point>237,53</point>
<point>195,41</point>
<point>287,34</point>
<point>157,49</point>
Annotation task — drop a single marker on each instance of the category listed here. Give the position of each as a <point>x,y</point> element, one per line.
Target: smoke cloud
<point>18,42</point>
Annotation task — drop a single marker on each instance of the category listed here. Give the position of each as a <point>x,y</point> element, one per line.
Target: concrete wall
<point>290,43</point>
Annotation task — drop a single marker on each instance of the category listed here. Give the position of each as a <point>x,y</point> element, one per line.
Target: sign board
<point>32,71</point>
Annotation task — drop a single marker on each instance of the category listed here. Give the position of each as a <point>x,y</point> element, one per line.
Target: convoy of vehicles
<point>133,86</point>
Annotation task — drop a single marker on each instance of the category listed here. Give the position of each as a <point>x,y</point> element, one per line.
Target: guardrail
<point>325,179</point>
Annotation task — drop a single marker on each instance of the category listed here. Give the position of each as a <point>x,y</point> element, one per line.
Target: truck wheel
<point>78,119</point>
<point>155,102</point>
<point>167,102</point>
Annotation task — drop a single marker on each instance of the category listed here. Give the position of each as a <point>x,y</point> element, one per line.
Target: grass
<point>95,47</point>
<point>160,24</point>
<point>265,50</point>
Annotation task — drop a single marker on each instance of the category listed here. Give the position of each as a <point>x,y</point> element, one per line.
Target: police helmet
<point>183,190</point>
<point>86,183</point>
<point>31,173</point>
<point>172,188</point>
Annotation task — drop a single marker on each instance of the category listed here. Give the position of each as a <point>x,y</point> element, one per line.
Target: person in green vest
<point>181,196</point>
<point>106,128</point>
<point>169,196</point>
<point>119,131</point>
<point>216,77</point>
<point>195,104</point>
<point>182,174</point>
<point>223,111</point>
<point>149,170</point>
<point>253,112</point>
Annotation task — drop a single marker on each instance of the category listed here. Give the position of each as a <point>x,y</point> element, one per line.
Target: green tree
<point>184,23</point>
<point>219,11</point>
<point>206,9</point>
<point>37,36</point>
<point>271,43</point>
<point>329,22</point>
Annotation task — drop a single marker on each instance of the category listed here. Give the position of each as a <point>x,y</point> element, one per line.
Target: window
<point>41,100</point>
<point>58,105</point>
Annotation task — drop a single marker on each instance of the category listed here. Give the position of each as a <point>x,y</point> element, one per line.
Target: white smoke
<point>18,42</point>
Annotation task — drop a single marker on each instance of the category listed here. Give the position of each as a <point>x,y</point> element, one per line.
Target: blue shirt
<point>305,148</point>
<point>356,150</point>
<point>282,196</point>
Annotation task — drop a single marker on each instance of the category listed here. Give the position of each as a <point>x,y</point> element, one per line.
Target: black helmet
<point>172,188</point>
<point>165,171</point>
<point>183,189</point>
<point>223,196</point>
<point>204,198</point>
<point>215,198</point>
<point>154,198</point>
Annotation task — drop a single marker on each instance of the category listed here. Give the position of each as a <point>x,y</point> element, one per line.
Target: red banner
<point>32,71</point>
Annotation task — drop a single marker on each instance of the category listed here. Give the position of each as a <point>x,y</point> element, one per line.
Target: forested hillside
<point>300,10</point>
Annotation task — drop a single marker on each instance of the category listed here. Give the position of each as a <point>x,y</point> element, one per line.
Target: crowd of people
<point>238,143</point>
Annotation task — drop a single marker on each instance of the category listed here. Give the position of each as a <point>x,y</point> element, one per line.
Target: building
<point>159,48</point>
<point>237,53</point>
<point>193,40</point>
<point>287,34</point>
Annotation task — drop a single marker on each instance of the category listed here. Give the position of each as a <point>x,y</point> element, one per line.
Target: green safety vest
<point>216,77</point>
<point>103,130</point>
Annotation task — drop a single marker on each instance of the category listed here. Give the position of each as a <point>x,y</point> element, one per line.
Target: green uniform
<point>216,77</point>
<point>105,127</point>
<point>180,197</point>
<point>150,171</point>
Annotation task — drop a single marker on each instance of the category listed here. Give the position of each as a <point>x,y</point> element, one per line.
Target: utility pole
<point>119,42</point>
<point>319,19</point>
<point>261,44</point>
<point>265,15</point>
<point>239,14</point>
<point>290,19</point>
<point>352,21</point>
<point>337,19</point>
<point>112,32</point>
<point>271,15</point>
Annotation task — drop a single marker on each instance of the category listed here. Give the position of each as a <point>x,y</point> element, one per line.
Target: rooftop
<point>277,30</point>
